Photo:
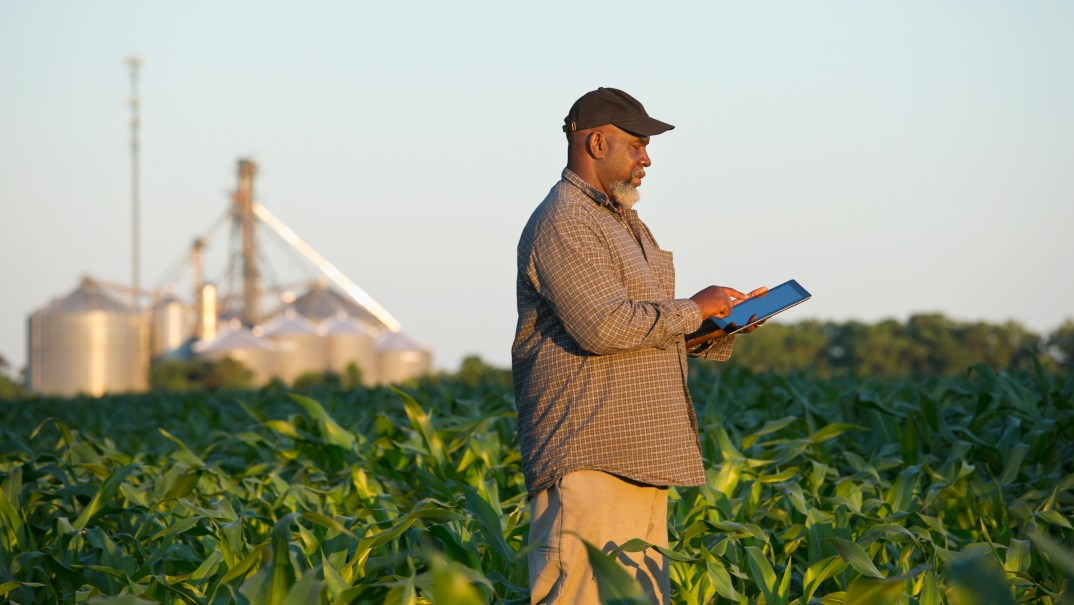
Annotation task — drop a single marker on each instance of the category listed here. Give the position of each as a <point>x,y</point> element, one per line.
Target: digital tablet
<point>760,308</point>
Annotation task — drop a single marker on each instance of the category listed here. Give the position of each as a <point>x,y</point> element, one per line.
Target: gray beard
<point>625,194</point>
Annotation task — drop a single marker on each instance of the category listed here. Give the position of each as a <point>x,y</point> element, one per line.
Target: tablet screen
<point>780,298</point>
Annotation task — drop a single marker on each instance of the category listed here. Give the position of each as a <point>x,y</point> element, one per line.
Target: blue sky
<point>893,157</point>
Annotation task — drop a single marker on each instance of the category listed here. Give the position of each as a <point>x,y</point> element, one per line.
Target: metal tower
<point>244,214</point>
<point>134,63</point>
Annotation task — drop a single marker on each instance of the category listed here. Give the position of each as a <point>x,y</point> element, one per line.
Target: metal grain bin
<point>87,342</point>
<point>351,341</point>
<point>402,358</point>
<point>322,302</point>
<point>171,325</point>
<point>299,346</point>
<point>243,346</point>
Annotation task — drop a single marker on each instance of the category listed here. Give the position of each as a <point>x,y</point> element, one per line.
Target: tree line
<point>925,345</point>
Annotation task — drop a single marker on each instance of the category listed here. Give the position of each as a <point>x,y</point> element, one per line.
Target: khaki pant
<point>606,511</point>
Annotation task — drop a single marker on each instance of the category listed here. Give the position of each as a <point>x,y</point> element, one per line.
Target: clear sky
<point>894,157</point>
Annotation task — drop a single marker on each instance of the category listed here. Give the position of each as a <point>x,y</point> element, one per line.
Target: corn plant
<point>839,490</point>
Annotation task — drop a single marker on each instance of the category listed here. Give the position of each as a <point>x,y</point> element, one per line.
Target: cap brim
<point>644,126</point>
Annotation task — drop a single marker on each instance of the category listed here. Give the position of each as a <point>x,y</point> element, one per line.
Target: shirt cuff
<point>689,313</point>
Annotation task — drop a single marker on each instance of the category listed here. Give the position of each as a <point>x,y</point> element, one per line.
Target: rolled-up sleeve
<point>717,349</point>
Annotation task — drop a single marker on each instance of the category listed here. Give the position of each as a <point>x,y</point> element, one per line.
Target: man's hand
<point>758,292</point>
<point>718,300</point>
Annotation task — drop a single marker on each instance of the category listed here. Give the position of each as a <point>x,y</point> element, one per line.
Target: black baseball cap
<point>612,106</point>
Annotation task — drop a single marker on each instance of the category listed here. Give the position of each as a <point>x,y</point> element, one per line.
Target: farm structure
<point>90,342</point>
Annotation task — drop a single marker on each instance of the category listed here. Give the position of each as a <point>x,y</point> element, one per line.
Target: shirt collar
<point>597,195</point>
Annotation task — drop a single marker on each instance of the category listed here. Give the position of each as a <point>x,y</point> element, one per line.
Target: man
<point>605,420</point>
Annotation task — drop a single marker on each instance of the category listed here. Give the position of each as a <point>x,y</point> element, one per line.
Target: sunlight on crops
<point>819,491</point>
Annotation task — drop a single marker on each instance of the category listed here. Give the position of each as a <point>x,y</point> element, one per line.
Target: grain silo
<point>87,342</point>
<point>171,324</point>
<point>402,358</point>
<point>243,346</point>
<point>350,341</point>
<point>300,348</point>
<point>322,303</point>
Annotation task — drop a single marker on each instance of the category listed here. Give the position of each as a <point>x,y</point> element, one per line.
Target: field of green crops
<point>832,491</point>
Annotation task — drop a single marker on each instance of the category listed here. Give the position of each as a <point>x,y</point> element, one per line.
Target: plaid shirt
<point>599,358</point>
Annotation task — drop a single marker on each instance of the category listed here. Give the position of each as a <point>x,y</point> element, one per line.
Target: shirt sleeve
<point>573,270</point>
<point>717,349</point>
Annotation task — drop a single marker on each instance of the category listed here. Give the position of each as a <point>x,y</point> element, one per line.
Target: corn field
<point>825,491</point>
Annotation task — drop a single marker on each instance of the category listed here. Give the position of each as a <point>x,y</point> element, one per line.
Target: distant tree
<point>1061,344</point>
<point>200,374</point>
<point>170,375</point>
<point>474,372</point>
<point>316,379</point>
<point>783,348</point>
<point>352,376</point>
<point>229,373</point>
<point>928,344</point>
<point>9,388</point>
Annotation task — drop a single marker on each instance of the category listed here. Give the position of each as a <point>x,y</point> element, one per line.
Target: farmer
<point>605,420</point>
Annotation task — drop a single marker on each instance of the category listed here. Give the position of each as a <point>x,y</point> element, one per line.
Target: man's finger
<point>759,292</point>
<point>732,292</point>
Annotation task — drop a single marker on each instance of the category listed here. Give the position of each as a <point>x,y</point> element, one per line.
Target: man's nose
<point>645,161</point>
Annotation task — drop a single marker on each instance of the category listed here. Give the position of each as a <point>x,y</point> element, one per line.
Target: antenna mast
<point>134,63</point>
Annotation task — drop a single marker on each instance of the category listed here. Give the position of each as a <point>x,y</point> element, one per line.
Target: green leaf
<point>103,496</point>
<point>819,572</point>
<point>762,573</point>
<point>281,571</point>
<point>1060,554</point>
<point>127,599</point>
<point>721,581</point>
<point>783,592</point>
<point>874,592</point>
<point>309,590</point>
<point>331,432</point>
<point>489,522</point>
<point>614,584</point>
<point>769,427</point>
<point>1014,464</point>
<point>184,454</point>
<point>10,522</point>
<point>1018,557</point>
<point>333,581</point>
<point>208,566</point>
<point>979,579</point>
<point>425,509</point>
<point>930,590</point>
<point>7,587</point>
<point>422,421</point>
<point>638,545</point>
<point>1053,517</point>
<point>900,496</point>
<point>832,431</point>
<point>329,523</point>
<point>856,556</point>
<point>451,584</point>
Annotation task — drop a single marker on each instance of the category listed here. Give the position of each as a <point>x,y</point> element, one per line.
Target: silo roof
<point>345,325</point>
<point>88,296</point>
<point>321,303</point>
<point>232,339</point>
<point>290,323</point>
<point>398,341</point>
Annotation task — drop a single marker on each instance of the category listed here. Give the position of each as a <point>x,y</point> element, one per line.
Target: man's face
<point>627,156</point>
<point>624,163</point>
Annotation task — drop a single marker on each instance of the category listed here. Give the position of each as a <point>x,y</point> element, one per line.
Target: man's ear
<point>596,144</point>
